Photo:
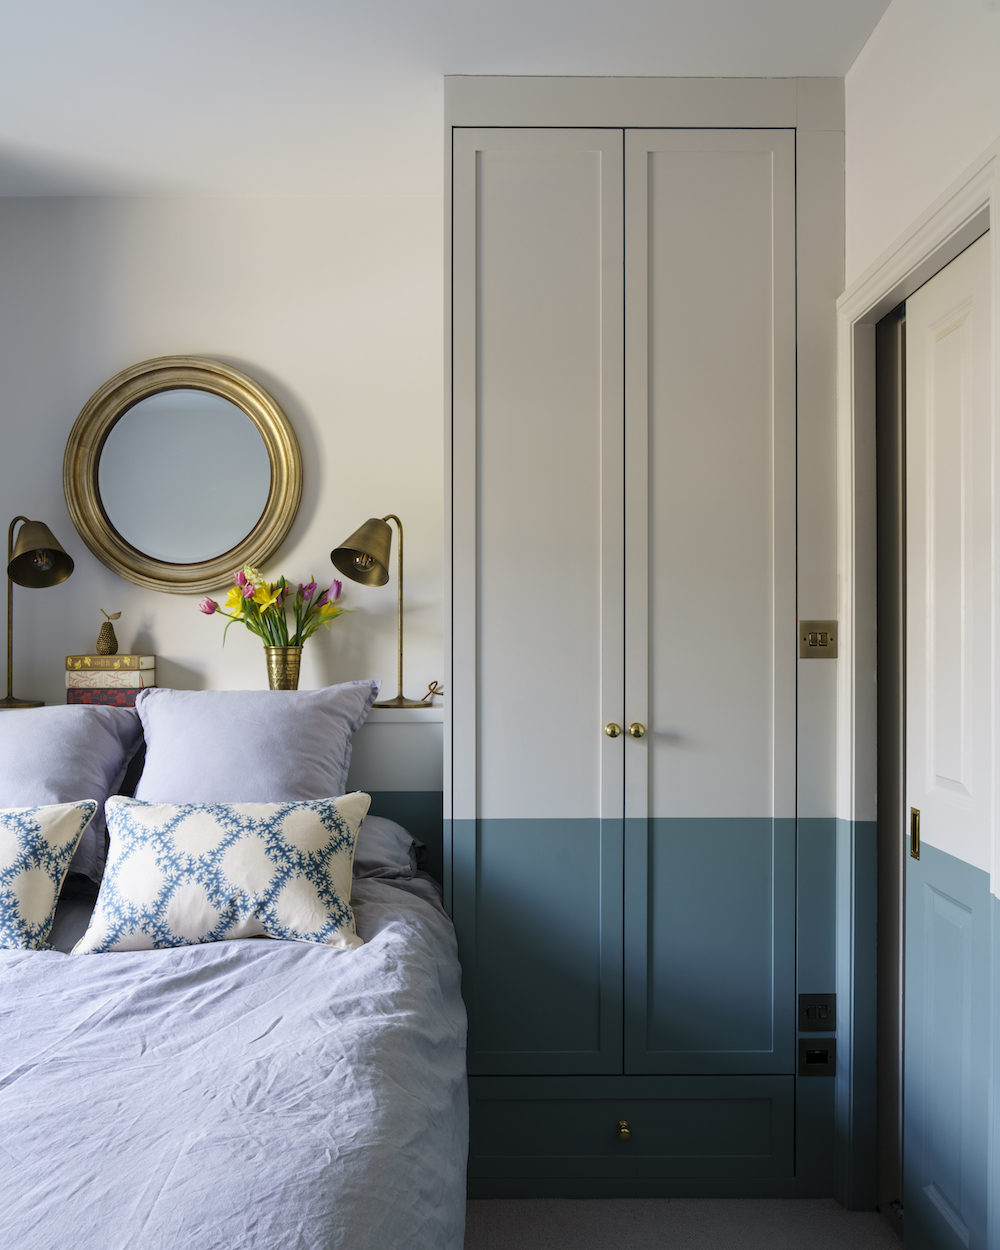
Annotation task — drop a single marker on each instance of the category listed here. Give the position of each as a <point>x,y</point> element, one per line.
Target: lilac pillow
<point>249,746</point>
<point>385,849</point>
<point>62,755</point>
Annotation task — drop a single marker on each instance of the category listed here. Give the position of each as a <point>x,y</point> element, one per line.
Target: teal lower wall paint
<point>993,1196</point>
<point>856,949</point>
<point>420,811</point>
<point>950,993</point>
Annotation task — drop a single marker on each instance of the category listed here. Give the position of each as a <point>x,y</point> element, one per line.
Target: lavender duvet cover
<point>253,1093</point>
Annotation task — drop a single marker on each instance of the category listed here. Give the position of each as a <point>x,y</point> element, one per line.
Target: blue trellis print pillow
<point>186,873</point>
<point>36,846</point>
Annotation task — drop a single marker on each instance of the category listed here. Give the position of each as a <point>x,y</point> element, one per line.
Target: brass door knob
<point>612,730</point>
<point>636,730</point>
<point>623,1131</point>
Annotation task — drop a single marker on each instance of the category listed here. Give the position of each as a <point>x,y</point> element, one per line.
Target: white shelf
<point>406,715</point>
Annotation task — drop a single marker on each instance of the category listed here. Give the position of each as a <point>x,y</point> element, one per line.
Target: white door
<point>951,518</point>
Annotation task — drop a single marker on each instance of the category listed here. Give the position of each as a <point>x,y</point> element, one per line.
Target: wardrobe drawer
<point>703,1126</point>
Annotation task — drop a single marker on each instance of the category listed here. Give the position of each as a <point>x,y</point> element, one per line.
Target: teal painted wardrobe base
<point>536,1135</point>
<point>691,1136</point>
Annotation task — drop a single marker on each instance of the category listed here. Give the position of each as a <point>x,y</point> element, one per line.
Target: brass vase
<point>283,667</point>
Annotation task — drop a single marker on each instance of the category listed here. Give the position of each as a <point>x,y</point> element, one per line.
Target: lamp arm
<point>399,609</point>
<point>10,608</point>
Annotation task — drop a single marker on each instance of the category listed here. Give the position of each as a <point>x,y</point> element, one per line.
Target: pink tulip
<point>248,590</point>
<point>335,593</point>
<point>208,606</point>
<point>240,578</point>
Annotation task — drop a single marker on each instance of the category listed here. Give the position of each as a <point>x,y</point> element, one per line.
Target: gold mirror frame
<point>96,421</point>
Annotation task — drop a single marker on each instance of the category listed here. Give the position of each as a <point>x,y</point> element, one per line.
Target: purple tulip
<point>329,596</point>
<point>240,578</point>
<point>208,606</point>
<point>307,591</point>
<point>248,589</point>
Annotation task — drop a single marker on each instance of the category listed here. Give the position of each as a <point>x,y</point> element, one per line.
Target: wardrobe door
<point>711,615</point>
<point>538,596</point>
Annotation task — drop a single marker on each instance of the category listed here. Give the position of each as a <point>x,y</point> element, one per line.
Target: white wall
<point>922,101</point>
<point>333,305</point>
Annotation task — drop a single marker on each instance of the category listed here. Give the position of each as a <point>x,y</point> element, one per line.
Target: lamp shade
<point>37,559</point>
<point>364,557</point>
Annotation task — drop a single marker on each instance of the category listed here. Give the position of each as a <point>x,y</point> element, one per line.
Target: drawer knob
<point>623,1131</point>
<point>636,730</point>
<point>612,730</point>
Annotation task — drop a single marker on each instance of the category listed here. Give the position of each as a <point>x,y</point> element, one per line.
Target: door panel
<point>538,589</point>
<point>947,1053</point>
<point>710,941</point>
<point>710,272</point>
<point>710,608</point>
<point>949,534</point>
<point>950,521</point>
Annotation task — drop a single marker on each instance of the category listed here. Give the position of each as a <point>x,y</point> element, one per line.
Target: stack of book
<point>114,679</point>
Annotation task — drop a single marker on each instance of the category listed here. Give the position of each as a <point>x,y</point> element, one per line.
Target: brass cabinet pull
<point>623,1131</point>
<point>612,730</point>
<point>636,730</point>
<point>915,832</point>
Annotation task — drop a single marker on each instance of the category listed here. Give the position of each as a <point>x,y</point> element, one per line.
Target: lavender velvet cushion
<point>249,746</point>
<point>62,755</point>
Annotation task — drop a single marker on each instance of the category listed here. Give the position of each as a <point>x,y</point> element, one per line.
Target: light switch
<point>817,640</point>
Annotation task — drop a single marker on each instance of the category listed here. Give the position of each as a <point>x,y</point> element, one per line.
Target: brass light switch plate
<point>817,640</point>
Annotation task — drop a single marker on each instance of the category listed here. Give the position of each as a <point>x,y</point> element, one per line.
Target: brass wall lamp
<point>36,560</point>
<point>364,558</point>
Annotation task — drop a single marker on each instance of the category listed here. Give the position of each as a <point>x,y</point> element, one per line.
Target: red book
<point>106,695</point>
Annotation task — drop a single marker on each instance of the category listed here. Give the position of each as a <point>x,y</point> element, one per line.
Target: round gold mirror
<point>180,470</point>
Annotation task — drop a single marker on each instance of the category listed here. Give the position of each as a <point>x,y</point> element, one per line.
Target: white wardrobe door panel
<point>711,455</point>
<point>548,398</point>
<point>952,517</point>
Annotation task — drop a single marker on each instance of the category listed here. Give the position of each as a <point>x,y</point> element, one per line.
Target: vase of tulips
<point>263,607</point>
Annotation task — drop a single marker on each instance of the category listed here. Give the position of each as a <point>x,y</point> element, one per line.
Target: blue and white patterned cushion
<point>182,874</point>
<point>36,846</point>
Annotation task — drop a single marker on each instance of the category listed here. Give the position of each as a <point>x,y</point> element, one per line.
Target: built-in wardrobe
<point>623,758</point>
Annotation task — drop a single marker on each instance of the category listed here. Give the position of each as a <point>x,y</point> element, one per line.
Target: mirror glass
<point>184,476</point>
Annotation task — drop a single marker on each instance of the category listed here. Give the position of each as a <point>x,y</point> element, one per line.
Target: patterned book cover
<point>116,698</point>
<point>115,662</point>
<point>108,678</point>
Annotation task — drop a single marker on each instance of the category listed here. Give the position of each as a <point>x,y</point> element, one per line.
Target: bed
<point>240,1093</point>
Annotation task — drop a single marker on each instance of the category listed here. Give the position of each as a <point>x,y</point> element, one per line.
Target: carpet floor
<point>673,1224</point>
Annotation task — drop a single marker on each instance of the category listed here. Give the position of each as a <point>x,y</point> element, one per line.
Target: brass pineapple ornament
<point>107,643</point>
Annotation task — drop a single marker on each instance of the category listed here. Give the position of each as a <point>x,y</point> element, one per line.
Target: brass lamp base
<point>400,701</point>
<point>11,703</point>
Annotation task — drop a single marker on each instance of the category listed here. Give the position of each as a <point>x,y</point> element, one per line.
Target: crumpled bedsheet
<point>252,1093</point>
